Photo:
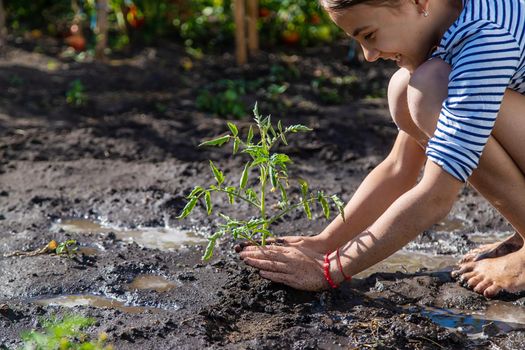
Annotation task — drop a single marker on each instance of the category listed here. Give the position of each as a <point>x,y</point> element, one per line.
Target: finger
<point>268,248</point>
<point>264,255</point>
<point>267,265</point>
<point>276,277</point>
<point>258,242</point>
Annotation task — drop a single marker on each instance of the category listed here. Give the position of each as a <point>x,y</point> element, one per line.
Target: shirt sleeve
<point>481,72</point>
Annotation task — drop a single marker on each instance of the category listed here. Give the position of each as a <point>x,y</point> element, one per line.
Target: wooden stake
<point>253,16</point>
<point>101,31</point>
<point>3,29</point>
<point>240,32</point>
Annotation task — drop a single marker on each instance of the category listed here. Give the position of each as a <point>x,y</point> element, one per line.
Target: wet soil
<point>125,161</point>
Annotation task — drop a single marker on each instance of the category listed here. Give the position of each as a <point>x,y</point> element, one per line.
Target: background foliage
<point>199,24</point>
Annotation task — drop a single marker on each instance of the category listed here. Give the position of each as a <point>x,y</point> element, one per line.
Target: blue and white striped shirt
<point>486,49</point>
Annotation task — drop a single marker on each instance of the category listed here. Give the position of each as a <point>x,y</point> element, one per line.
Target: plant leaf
<point>284,196</point>
<point>304,188</point>
<point>196,192</point>
<point>297,128</point>
<point>219,141</point>
<point>307,210</point>
<point>219,176</point>
<point>244,176</point>
<point>236,143</point>
<point>207,198</point>
<point>231,191</point>
<point>256,111</point>
<point>273,177</point>
<point>251,195</point>
<point>324,204</point>
<point>340,205</point>
<point>281,133</point>
<point>212,241</point>
<point>188,208</point>
<point>233,129</point>
<point>250,135</point>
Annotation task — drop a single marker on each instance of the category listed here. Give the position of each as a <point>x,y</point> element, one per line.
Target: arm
<point>413,212</point>
<point>388,181</point>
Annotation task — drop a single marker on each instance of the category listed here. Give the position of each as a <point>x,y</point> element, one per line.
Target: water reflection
<point>150,237</point>
<point>93,301</point>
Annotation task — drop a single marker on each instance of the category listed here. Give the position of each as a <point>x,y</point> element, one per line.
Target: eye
<point>369,36</point>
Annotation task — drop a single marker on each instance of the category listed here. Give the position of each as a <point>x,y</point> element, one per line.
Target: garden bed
<point>119,166</point>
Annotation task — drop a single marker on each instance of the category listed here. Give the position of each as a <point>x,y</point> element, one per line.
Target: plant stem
<point>263,196</point>
<point>237,196</point>
<point>289,209</point>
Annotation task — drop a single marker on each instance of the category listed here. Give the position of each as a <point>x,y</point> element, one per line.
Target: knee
<point>397,97</point>
<point>426,91</point>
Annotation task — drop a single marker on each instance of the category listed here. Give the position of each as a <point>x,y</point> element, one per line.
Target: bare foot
<point>494,250</point>
<point>492,275</point>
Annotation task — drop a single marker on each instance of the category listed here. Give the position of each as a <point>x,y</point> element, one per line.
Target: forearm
<point>375,194</point>
<point>409,215</point>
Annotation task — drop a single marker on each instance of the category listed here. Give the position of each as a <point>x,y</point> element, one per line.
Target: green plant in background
<point>209,23</point>
<point>76,95</point>
<point>64,333</point>
<point>224,98</point>
<point>273,173</point>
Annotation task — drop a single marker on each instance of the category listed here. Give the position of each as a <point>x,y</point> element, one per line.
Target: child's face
<point>401,34</point>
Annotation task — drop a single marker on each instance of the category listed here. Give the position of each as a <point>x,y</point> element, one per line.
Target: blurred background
<point>200,25</point>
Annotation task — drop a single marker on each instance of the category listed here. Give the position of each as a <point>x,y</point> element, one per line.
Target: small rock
<point>490,329</point>
<point>186,276</point>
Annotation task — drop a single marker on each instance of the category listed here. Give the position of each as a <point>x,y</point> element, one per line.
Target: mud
<point>123,164</point>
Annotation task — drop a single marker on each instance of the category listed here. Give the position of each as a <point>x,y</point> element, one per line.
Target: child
<point>462,64</point>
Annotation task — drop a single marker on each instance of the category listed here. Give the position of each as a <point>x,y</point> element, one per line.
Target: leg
<point>499,177</point>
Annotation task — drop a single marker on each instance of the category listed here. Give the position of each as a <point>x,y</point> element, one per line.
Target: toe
<point>467,276</point>
<point>474,281</point>
<point>463,268</point>
<point>484,284</point>
<point>492,291</point>
<point>467,258</point>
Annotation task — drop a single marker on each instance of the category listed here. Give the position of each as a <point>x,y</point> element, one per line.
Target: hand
<point>293,265</point>
<point>314,243</point>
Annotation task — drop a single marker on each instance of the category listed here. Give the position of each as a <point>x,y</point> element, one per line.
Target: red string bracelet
<point>347,278</point>
<point>326,266</point>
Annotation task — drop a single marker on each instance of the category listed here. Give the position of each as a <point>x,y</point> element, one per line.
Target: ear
<point>422,4</point>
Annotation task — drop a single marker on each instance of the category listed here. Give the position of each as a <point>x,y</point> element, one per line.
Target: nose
<point>371,54</point>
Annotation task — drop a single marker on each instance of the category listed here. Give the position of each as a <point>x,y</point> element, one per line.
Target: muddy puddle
<point>163,238</point>
<point>152,282</point>
<point>95,301</point>
<point>410,262</point>
<point>499,317</point>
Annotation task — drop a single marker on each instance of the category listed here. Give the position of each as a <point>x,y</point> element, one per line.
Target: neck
<point>450,11</point>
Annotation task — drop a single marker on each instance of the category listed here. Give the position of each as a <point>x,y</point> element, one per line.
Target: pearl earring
<point>425,13</point>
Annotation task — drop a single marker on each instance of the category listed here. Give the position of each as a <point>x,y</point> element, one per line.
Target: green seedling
<point>76,95</point>
<point>273,177</point>
<point>68,248</point>
<point>65,333</point>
